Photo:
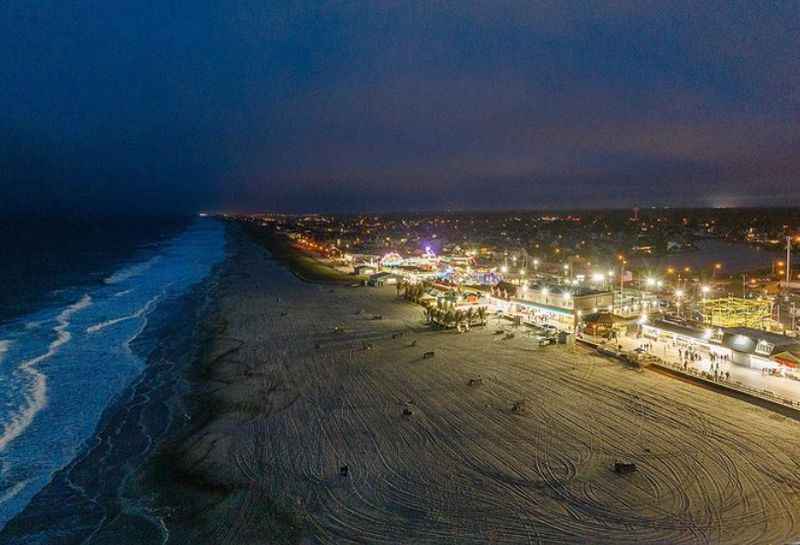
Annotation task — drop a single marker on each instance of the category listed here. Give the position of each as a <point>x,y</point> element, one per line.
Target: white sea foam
<point>121,293</point>
<point>36,398</point>
<point>13,491</point>
<point>4,346</point>
<point>138,314</point>
<point>130,272</point>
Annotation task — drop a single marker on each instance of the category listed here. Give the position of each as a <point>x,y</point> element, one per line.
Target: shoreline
<point>185,492</point>
<point>96,492</point>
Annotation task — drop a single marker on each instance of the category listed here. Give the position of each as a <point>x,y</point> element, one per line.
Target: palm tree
<point>459,317</point>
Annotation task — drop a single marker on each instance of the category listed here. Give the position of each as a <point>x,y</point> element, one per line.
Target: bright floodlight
<point>678,293</point>
<point>705,289</point>
<point>651,282</point>
<point>566,267</point>
<point>504,269</point>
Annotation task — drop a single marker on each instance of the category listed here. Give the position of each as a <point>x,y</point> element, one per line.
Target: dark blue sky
<point>109,106</point>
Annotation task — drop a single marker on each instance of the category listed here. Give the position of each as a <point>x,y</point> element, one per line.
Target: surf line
<point>36,399</point>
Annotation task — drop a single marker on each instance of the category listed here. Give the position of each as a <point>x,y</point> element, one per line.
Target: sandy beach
<point>300,379</point>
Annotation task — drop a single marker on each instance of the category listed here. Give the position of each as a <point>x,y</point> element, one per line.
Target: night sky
<point>153,107</point>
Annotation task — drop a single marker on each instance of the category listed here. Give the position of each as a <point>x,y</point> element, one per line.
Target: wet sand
<point>282,400</point>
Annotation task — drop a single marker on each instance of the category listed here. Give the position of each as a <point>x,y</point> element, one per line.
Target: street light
<point>651,282</point>
<point>504,269</point>
<point>678,295</point>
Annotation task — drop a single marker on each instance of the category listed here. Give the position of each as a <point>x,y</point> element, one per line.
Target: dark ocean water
<point>42,256</point>
<point>83,312</point>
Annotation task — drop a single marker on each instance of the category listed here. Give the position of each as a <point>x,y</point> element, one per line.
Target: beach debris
<point>397,335</point>
<point>413,343</point>
<point>624,468</point>
<point>359,311</point>
<point>499,332</point>
<point>407,412</point>
<point>284,313</point>
<point>338,329</point>
<point>519,407</point>
<point>427,355</point>
<point>317,346</point>
<point>475,381</point>
<point>366,346</point>
<point>344,470</point>
<point>377,317</point>
<point>509,336</point>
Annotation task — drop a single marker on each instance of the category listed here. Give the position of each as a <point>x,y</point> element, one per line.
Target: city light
<point>504,269</point>
<point>598,277</point>
<point>705,290</point>
<point>651,282</point>
<point>679,293</point>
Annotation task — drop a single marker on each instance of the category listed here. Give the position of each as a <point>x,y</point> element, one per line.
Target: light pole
<point>678,295</point>
<point>788,260</point>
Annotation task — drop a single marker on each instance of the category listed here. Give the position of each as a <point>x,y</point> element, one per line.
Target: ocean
<point>83,314</point>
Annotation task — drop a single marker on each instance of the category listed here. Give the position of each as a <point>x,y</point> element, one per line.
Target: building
<point>559,306</point>
<point>384,279</point>
<point>365,269</point>
<point>742,345</point>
